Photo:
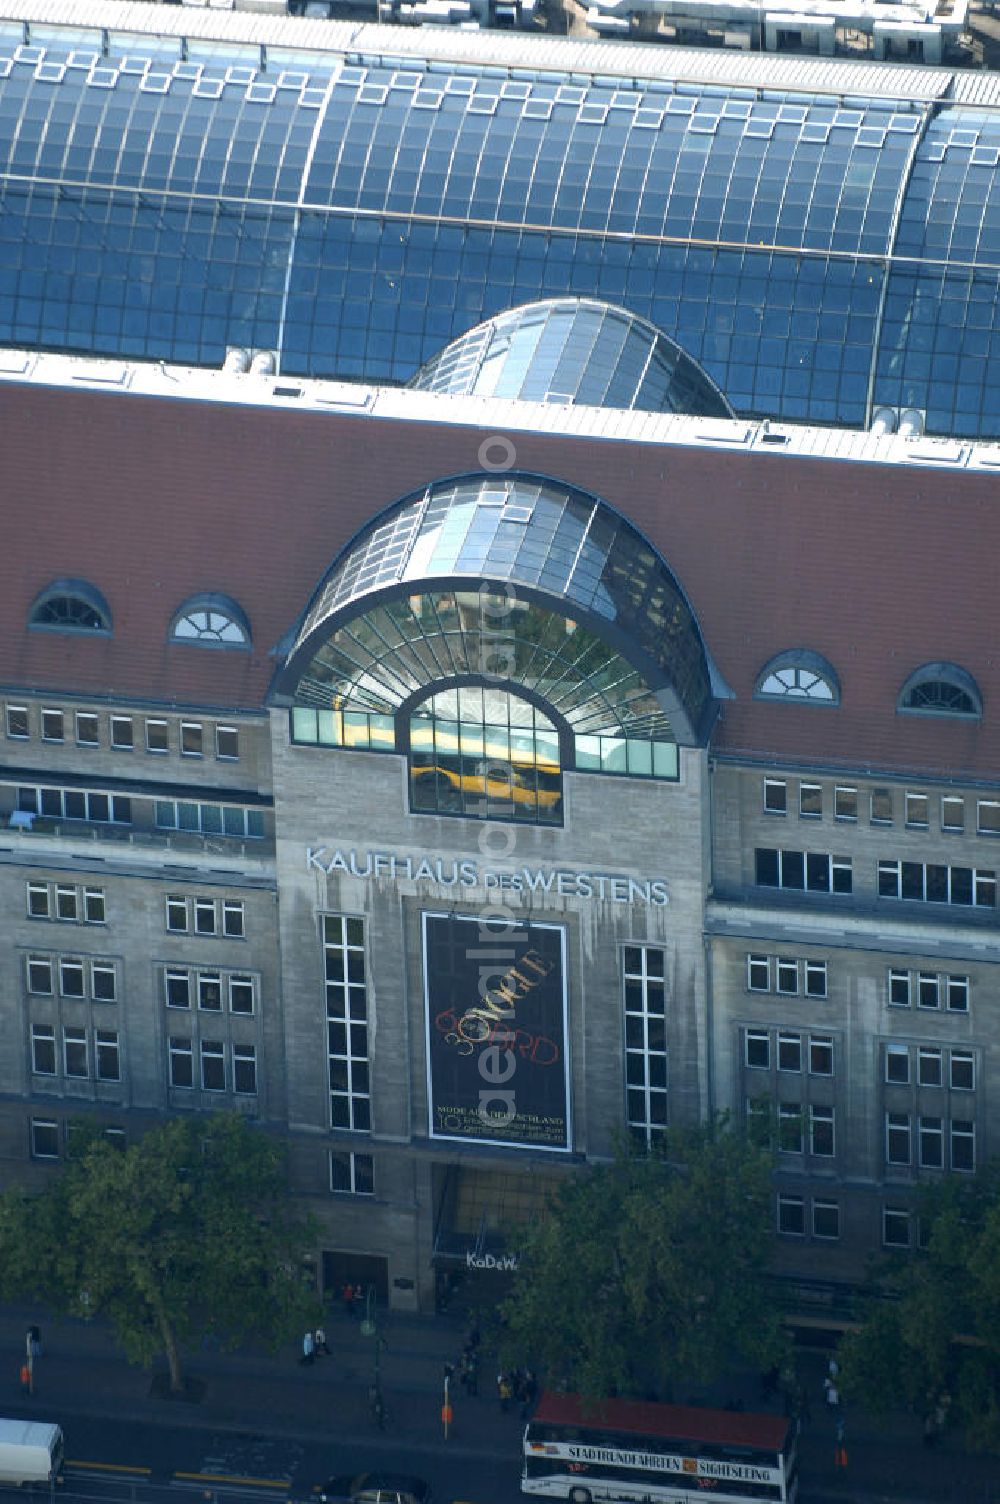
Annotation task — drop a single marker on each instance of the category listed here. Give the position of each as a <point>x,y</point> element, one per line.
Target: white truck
<point>31,1451</point>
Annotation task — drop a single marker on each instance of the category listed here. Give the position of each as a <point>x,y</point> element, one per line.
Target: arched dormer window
<point>941,689</point>
<point>211,621</point>
<point>799,674</point>
<point>70,606</point>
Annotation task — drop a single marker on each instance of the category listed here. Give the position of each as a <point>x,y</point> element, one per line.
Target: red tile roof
<point>879,568</point>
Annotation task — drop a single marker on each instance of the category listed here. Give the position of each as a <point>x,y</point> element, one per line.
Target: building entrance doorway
<point>341,1268</point>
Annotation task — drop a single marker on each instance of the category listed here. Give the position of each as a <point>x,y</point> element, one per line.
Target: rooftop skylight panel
<point>83,60</point>
<point>373,94</point>
<point>6,64</point>
<point>649,120</point>
<point>139,66</point>
<point>50,73</point>
<point>236,75</point>
<point>759,129</point>
<point>679,104</point>
<point>102,78</point>
<point>261,93</point>
<point>482,104</point>
<point>409,81</point>
<point>464,85</point>
<point>703,124</point>
<point>570,94</point>
<point>510,90</point>
<point>298,81</point>
<point>985,156</point>
<point>850,119</point>
<point>312,99</point>
<point>737,109</point>
<point>31,55</point>
<point>428,99</point>
<point>208,88</point>
<point>870,135</point>
<point>537,109</point>
<point>964,138</point>
<point>156,83</point>
<point>593,114</point>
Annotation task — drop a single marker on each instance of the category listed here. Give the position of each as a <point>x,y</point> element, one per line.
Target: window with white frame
<point>76,1056</point>
<point>53,727</point>
<point>931,1142</point>
<point>791,1216</point>
<point>881,807</point>
<point>917,811</point>
<point>201,914</point>
<point>213,1065</point>
<point>75,804</point>
<point>43,1050</point>
<point>17,724</point>
<point>895,1227</point>
<point>930,1065</point>
<point>789,1052</point>
<point>181,1061</point>
<point>806,871</point>
<point>897,1064</point>
<point>88,729</point>
<point>758,973</point>
<point>900,990</point>
<point>952,812</point>
<point>787,972</point>
<point>988,817</point>
<point>44,1138</point>
<point>209,819</point>
<point>122,733</point>
<point>644,1001</point>
<point>209,990</point>
<point>810,801</point>
<point>822,1141</point>
<point>157,736</point>
<point>932,990</point>
<point>789,975</point>
<point>192,739</point>
<point>352,1174</point>
<point>826,1220</point>
<point>932,882</point>
<point>347,1022</point>
<point>245,1070</point>
<point>820,1055</point>
<point>70,903</point>
<point>775,796</point>
<point>757,1049</point>
<point>79,977</point>
<point>790,1125</point>
<point>962,1070</point>
<point>963,1144</point>
<point>227,743</point>
<point>898,1148</point>
<point>107,1055</point>
<point>845,802</point>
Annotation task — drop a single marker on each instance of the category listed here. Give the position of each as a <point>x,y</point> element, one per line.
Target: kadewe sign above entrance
<point>495,1002</point>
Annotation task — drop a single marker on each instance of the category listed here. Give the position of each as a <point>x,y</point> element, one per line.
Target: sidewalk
<point>81,1374</point>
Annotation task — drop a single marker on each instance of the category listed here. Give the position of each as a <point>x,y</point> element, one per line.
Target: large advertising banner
<point>495,1002</point>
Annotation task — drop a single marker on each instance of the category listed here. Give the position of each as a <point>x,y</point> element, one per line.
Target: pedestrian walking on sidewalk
<point>832,1392</point>
<point>504,1391</point>
<point>308,1348</point>
<point>34,1342</point>
<point>320,1343</point>
<point>25,1374</point>
<point>840,1446</point>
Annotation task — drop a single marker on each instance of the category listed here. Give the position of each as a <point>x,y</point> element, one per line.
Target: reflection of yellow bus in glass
<point>497,782</point>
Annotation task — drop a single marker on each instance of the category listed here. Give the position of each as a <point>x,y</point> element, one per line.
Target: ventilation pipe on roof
<point>911,422</point>
<point>883,420</point>
<point>264,363</point>
<point>237,360</point>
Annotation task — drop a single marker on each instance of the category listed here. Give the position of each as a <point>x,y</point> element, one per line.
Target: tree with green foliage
<point>932,1341</point>
<point>649,1273</point>
<point>187,1231</point>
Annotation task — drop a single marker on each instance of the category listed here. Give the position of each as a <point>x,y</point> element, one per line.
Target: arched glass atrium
<point>166,198</point>
<point>507,616</point>
<point>574,350</point>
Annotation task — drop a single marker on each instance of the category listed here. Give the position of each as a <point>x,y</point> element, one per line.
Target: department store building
<point>498,616</point>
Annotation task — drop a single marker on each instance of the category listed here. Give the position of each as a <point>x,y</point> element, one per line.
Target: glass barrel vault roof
<point>542,545</point>
<point>816,256</point>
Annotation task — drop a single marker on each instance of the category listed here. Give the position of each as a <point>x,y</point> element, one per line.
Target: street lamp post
<point>369,1328</point>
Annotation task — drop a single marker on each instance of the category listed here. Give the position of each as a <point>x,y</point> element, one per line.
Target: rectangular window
<point>881,807</point>
<point>897,1138</point>
<point>957,989</point>
<point>204,916</point>
<point>775,796</point>
<point>232,917</point>
<point>820,1055</point>
<point>758,974</point>
<point>758,1049</point>
<point>963,1145</point>
<point>985,895</point>
<point>889,879</point>
<point>790,1127</point>
<point>192,739</point>
<point>845,803</point>
<point>644,988</point>
<point>789,1052</point>
<point>931,1143</point>
<point>157,736</point>
<point>841,874</point>
<point>66,903</point>
<point>352,1174</point>
<point>122,734</point>
<point>815,979</point>
<point>181,1062</point>
<point>227,743</point>
<point>44,1139</point>
<point>952,812</point>
<point>821,1131</point>
<point>988,817</point>
<point>88,729</point>
<point>213,1065</point>
<point>895,1227</point>
<point>826,1220</point>
<point>106,1049</point>
<point>930,1067</point>
<point>75,1061</point>
<point>17,723</point>
<point>240,994</point>
<point>178,989</point>
<point>245,1069</point>
<point>210,991</point>
<point>52,726</point>
<point>962,1075</point>
<point>40,975</point>
<point>177,915</point>
<point>899,989</point>
<point>103,981</point>
<point>347,1021</point>
<point>791,1216</point>
<point>928,990</point>
<point>43,1049</point>
<point>897,1064</point>
<point>788,975</point>
<point>917,811</point>
<point>758,1111</point>
<point>810,801</point>
<point>94,909</point>
<point>38,901</point>
<point>70,977</point>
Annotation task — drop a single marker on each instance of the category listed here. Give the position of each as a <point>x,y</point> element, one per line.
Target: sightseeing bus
<point>585,1450</point>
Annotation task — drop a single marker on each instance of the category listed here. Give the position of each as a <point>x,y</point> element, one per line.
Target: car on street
<point>374,1488</point>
